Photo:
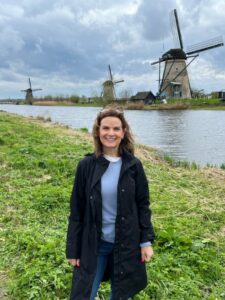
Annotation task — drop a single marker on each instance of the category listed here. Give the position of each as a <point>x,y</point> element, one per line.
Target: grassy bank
<point>54,103</point>
<point>207,104</point>
<point>37,168</point>
<point>195,103</point>
<point>172,104</point>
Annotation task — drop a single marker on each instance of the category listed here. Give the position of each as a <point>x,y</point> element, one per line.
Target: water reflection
<point>172,137</point>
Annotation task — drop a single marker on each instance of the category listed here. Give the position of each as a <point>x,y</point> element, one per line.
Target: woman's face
<point>111,133</point>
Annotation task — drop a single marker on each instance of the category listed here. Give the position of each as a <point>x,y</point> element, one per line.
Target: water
<point>182,134</point>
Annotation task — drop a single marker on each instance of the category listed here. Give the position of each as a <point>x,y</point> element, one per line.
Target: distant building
<point>146,97</point>
<point>221,95</point>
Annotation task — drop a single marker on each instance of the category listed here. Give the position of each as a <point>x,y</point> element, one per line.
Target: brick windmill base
<point>171,86</point>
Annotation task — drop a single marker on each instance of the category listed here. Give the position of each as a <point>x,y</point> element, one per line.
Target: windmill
<point>29,93</point>
<point>109,93</point>
<point>175,81</point>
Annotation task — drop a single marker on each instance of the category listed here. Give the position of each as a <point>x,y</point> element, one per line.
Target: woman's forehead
<point>111,121</point>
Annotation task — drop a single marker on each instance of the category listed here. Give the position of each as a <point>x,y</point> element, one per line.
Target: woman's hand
<point>74,262</point>
<point>146,253</point>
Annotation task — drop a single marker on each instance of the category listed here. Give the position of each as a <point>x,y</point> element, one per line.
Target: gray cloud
<point>66,46</point>
<point>154,18</point>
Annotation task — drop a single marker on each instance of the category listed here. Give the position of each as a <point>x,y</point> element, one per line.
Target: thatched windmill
<point>109,93</point>
<point>29,93</point>
<point>175,82</point>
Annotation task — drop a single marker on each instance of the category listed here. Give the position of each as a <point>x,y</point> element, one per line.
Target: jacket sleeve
<point>77,206</point>
<point>144,211</point>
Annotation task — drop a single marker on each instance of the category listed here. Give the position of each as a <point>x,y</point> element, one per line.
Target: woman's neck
<point>111,152</point>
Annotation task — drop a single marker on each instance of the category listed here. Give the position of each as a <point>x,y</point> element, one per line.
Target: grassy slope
<point>195,103</point>
<point>37,167</point>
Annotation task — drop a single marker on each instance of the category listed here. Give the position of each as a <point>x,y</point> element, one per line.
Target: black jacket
<point>133,226</point>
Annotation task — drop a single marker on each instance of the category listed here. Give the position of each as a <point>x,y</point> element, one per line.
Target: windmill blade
<point>29,83</point>
<point>110,73</point>
<point>118,81</point>
<point>157,62</point>
<point>174,29</point>
<point>175,26</point>
<point>34,90</point>
<point>206,45</point>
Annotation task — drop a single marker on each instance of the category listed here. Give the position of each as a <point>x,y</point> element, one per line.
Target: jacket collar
<point>128,161</point>
<point>102,164</point>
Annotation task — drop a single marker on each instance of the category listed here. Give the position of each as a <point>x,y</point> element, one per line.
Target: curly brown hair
<point>127,143</point>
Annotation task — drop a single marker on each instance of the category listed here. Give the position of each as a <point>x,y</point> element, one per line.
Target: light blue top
<point>109,183</point>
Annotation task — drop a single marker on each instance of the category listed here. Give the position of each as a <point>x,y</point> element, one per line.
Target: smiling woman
<point>110,231</point>
<point>111,123</point>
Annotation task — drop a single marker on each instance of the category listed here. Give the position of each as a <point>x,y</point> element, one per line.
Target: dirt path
<point>3,294</point>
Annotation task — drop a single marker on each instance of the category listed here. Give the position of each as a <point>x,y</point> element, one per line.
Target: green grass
<point>37,163</point>
<point>195,103</point>
<point>80,104</point>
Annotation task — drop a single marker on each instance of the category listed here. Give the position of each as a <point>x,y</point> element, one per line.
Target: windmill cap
<point>176,53</point>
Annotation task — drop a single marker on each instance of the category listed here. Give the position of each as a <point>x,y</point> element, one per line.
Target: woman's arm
<point>77,205</point>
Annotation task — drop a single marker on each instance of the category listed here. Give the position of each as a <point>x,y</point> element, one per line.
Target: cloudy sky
<point>66,46</point>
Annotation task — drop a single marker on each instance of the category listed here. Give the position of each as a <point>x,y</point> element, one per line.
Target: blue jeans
<point>104,250</point>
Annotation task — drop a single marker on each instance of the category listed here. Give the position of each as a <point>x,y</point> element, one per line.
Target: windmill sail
<point>110,73</point>
<point>175,26</point>
<point>118,81</point>
<point>206,45</point>
<point>29,83</point>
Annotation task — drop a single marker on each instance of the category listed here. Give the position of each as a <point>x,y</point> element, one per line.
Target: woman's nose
<point>111,132</point>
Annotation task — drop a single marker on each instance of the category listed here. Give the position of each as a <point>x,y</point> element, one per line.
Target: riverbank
<point>37,171</point>
<point>172,104</point>
<point>141,106</point>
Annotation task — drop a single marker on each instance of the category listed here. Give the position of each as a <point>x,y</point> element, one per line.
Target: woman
<point>110,232</point>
